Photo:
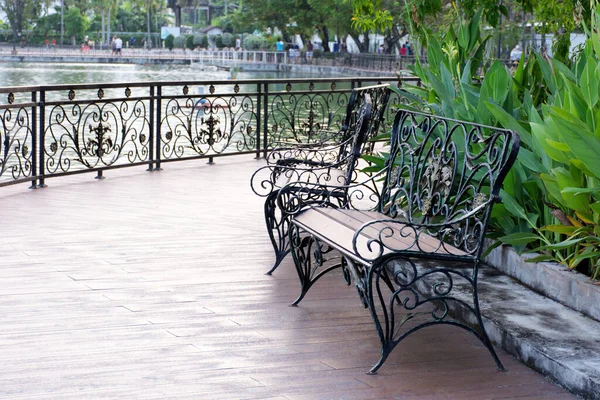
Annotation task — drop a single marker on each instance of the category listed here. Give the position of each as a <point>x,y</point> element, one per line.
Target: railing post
<point>258,118</point>
<point>42,137</point>
<point>266,119</point>
<point>151,132</point>
<point>34,135</point>
<point>157,132</point>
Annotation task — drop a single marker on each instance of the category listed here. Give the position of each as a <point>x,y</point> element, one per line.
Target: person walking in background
<point>403,50</point>
<point>515,55</point>
<point>113,45</point>
<point>279,45</point>
<point>118,46</point>
<point>309,52</point>
<point>53,44</point>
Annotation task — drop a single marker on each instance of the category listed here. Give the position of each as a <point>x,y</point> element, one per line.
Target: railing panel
<point>305,112</point>
<point>68,129</point>
<point>18,137</point>
<point>109,130</point>
<point>203,125</point>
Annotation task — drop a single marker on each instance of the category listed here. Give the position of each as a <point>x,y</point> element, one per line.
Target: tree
<point>17,12</point>
<point>302,17</point>
<point>76,24</point>
<point>397,18</point>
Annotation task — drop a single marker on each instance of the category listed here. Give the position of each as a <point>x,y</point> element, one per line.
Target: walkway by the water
<point>151,286</point>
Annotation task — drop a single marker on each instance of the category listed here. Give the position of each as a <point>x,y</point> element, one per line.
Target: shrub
<point>169,42</point>
<point>179,42</point>
<point>228,40</point>
<point>253,42</point>
<point>189,42</point>
<point>201,41</point>
<point>219,41</point>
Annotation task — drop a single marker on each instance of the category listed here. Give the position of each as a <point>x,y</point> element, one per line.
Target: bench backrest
<point>444,176</point>
<point>358,141</point>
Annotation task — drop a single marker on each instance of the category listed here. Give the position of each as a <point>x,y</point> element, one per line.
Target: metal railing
<point>48,131</point>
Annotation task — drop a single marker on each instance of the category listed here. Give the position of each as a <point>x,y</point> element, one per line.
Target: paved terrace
<point>151,285</point>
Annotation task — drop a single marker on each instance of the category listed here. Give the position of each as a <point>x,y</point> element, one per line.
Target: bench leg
<point>277,227</point>
<point>403,299</point>
<point>312,259</point>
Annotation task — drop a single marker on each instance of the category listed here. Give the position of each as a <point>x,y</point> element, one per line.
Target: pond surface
<point>33,74</point>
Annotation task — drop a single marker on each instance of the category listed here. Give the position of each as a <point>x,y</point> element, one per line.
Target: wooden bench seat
<point>338,228</point>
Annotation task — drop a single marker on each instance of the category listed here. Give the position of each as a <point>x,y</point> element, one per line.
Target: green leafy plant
<point>551,197</point>
<point>169,42</point>
<point>189,42</point>
<point>179,42</point>
<point>201,41</point>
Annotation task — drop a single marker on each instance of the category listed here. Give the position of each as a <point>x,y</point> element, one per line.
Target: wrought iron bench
<point>412,242</point>
<point>331,163</point>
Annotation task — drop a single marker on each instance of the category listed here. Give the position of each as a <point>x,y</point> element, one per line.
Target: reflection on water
<point>33,74</point>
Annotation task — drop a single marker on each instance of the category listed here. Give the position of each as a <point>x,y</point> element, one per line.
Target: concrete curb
<point>547,336</point>
<point>553,280</point>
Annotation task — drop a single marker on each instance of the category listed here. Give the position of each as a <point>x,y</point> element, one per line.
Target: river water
<point>33,74</point>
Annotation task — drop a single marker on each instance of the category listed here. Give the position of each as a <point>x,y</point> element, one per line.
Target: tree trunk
<point>177,16</point>
<point>108,38</point>
<point>103,36</point>
<point>149,39</point>
<point>325,43</point>
<point>363,47</point>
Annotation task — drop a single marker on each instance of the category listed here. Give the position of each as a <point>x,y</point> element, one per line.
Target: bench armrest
<point>389,235</point>
<point>273,177</point>
<point>319,152</point>
<point>364,195</point>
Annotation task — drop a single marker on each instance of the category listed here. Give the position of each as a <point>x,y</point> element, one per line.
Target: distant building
<point>211,30</point>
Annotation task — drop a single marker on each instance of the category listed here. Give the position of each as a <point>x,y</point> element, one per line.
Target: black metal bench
<point>410,244</point>
<point>331,163</point>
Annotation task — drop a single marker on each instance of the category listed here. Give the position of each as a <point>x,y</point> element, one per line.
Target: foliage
<point>179,42</point>
<point>18,12</point>
<point>189,42</point>
<point>254,42</point>
<point>551,197</point>
<point>170,42</point>
<point>216,40</point>
<point>228,40</point>
<point>201,41</point>
<point>76,23</point>
<point>302,17</point>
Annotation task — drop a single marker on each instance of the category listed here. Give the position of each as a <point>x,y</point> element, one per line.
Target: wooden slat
<point>338,227</point>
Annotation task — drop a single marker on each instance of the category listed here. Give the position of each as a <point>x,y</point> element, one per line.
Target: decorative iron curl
<point>16,143</point>
<point>208,126</point>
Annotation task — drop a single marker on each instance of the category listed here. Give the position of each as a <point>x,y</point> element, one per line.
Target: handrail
<point>55,130</point>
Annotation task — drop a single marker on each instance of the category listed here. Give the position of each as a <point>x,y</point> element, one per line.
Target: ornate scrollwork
<point>306,118</point>
<point>71,95</point>
<point>313,259</point>
<point>98,134</point>
<point>16,141</point>
<point>11,98</point>
<point>207,126</point>
<point>447,175</point>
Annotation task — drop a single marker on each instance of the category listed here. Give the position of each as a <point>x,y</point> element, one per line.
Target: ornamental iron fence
<point>49,131</point>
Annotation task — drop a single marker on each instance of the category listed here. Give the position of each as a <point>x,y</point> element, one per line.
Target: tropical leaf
<point>519,238</point>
